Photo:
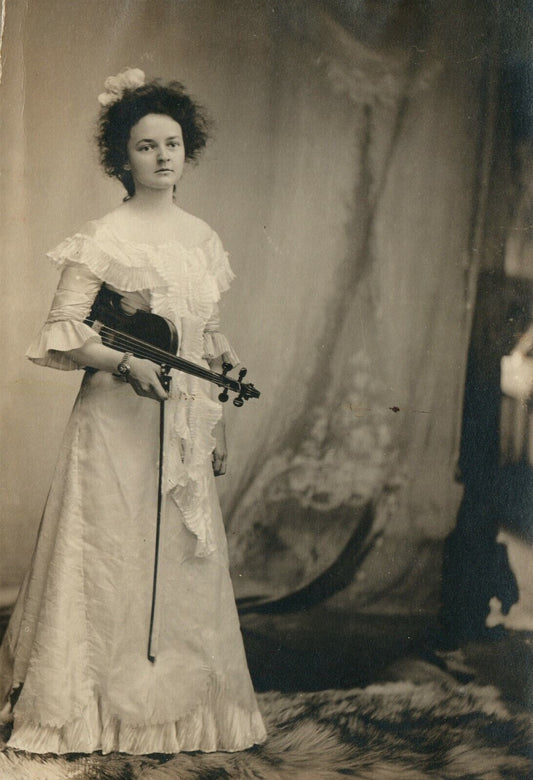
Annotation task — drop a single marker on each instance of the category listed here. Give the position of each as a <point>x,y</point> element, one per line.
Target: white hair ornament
<point>114,86</point>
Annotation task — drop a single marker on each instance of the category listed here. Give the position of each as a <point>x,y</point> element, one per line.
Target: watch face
<point>123,368</point>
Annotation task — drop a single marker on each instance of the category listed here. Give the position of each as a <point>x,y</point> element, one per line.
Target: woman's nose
<point>162,153</point>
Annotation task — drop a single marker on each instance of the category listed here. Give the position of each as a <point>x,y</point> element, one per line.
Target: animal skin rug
<point>392,731</point>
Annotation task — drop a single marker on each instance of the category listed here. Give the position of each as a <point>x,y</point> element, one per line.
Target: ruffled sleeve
<point>216,345</point>
<point>64,328</point>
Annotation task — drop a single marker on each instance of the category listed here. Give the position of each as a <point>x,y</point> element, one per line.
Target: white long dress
<point>77,640</point>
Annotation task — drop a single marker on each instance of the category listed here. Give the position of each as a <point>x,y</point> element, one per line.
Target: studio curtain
<point>346,180</point>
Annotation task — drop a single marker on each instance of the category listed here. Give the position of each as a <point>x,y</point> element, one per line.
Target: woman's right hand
<point>143,376</point>
<point>144,379</point>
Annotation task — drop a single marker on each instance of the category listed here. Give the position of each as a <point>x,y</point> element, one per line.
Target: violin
<point>150,336</point>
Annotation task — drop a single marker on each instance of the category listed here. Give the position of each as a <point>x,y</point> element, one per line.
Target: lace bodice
<point>179,283</point>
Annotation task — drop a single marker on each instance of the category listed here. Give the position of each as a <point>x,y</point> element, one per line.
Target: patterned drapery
<point>345,182</point>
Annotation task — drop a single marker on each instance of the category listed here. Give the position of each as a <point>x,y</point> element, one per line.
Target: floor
<point>288,655</point>
<point>320,649</point>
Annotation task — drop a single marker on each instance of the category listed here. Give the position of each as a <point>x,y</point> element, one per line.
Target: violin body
<point>143,325</point>
<point>155,338</point>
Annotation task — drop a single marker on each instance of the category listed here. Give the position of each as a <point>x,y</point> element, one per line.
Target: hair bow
<point>114,86</point>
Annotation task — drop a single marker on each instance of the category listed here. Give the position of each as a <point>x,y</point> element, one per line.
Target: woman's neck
<point>152,202</point>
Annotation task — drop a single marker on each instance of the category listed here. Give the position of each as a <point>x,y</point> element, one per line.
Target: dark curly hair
<point>117,119</point>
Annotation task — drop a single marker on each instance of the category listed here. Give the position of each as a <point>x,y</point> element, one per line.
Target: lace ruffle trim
<point>191,443</point>
<point>219,263</point>
<point>117,268</point>
<point>216,724</point>
<point>131,266</point>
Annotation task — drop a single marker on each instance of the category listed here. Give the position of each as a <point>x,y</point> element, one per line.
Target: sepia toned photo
<point>267,428</point>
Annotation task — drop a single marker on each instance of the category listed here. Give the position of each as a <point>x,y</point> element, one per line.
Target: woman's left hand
<point>220,453</point>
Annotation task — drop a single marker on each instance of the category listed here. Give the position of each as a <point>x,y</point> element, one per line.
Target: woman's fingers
<point>220,451</point>
<point>153,390</point>
<point>144,379</point>
<point>158,391</point>
<point>219,463</point>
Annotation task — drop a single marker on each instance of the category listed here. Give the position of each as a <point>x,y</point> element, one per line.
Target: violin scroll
<point>245,391</point>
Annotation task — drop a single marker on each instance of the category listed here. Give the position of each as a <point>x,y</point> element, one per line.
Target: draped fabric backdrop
<point>347,179</point>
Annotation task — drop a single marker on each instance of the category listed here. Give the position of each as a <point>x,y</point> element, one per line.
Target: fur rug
<point>392,731</point>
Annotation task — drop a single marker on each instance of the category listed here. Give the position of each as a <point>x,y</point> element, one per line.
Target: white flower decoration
<point>114,86</point>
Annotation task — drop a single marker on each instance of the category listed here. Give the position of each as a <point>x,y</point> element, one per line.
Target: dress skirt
<point>77,642</point>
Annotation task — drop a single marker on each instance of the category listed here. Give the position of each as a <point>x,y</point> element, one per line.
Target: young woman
<point>74,666</point>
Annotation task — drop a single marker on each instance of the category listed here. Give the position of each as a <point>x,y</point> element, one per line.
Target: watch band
<point>124,367</point>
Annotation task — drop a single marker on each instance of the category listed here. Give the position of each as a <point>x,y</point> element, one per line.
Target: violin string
<point>142,349</point>
<point>131,339</point>
<point>162,357</point>
<point>114,340</point>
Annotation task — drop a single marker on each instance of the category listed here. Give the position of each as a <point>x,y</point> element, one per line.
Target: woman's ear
<point>127,167</point>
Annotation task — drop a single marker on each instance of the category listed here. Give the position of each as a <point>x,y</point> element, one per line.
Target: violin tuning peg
<point>239,401</point>
<point>242,374</point>
<point>226,368</point>
<point>223,396</point>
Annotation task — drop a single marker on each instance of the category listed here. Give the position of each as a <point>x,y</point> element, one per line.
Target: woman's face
<point>156,154</point>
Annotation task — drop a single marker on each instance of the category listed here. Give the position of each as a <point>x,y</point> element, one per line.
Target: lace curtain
<point>352,488</point>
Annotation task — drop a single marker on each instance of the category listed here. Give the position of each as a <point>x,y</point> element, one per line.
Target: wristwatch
<point>124,367</point>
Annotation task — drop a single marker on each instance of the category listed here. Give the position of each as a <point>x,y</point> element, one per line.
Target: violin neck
<point>143,349</point>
